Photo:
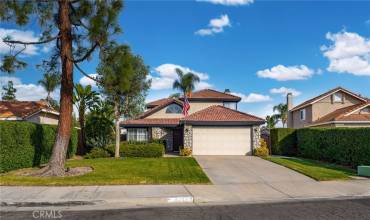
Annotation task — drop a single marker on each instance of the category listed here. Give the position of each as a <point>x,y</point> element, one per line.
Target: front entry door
<point>178,138</point>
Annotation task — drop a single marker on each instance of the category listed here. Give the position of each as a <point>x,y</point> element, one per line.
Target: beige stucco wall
<point>44,118</point>
<point>197,106</point>
<point>297,122</point>
<point>325,106</point>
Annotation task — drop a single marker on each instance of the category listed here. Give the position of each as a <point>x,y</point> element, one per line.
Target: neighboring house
<point>335,108</point>
<point>32,111</point>
<point>212,127</point>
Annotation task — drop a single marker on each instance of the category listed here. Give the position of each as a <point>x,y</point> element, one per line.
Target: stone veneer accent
<point>256,135</point>
<point>163,134</point>
<point>188,136</point>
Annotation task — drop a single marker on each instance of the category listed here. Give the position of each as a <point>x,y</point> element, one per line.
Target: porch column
<point>188,136</point>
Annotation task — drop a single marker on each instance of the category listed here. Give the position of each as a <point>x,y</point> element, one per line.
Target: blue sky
<point>258,49</point>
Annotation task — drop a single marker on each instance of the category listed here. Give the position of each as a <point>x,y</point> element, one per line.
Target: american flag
<point>186,106</point>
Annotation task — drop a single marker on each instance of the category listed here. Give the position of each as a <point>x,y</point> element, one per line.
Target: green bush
<point>345,146</point>
<point>25,144</point>
<point>138,149</point>
<point>283,141</point>
<point>97,152</point>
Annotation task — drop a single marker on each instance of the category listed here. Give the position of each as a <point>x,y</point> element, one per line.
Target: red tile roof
<point>163,104</point>
<point>157,102</point>
<point>325,94</point>
<point>152,122</point>
<point>219,113</point>
<point>210,94</point>
<point>21,109</point>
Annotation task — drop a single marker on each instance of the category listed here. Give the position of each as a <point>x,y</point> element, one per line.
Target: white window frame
<point>337,97</point>
<point>302,114</point>
<point>231,105</point>
<point>137,134</point>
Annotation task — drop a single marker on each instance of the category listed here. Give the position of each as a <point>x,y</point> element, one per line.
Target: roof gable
<point>164,104</point>
<point>326,94</point>
<point>210,94</point>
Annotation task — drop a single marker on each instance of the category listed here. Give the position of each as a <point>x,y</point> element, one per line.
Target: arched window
<point>174,109</point>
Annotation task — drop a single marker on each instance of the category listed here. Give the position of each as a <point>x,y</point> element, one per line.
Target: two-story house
<point>335,108</point>
<point>213,126</point>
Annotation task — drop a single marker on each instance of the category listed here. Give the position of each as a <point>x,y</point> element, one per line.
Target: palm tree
<point>282,114</point>
<point>271,121</point>
<point>186,82</point>
<point>84,98</point>
<point>50,82</point>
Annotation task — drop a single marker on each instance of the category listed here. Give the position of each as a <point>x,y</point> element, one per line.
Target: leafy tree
<point>122,77</point>
<point>76,28</point>
<point>282,114</point>
<point>84,98</point>
<point>50,83</point>
<point>9,92</point>
<point>271,121</point>
<point>100,124</point>
<point>186,82</point>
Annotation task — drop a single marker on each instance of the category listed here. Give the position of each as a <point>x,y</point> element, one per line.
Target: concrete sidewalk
<point>159,195</point>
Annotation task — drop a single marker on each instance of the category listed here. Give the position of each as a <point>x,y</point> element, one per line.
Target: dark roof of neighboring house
<point>210,94</point>
<point>220,114</point>
<point>149,122</point>
<point>22,109</point>
<point>342,114</point>
<point>325,94</point>
<point>163,104</point>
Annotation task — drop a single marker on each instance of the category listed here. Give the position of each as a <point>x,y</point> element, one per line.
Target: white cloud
<point>285,73</point>
<point>87,81</point>
<point>165,74</point>
<point>228,2</point>
<point>253,97</point>
<point>215,25</point>
<point>284,91</point>
<point>348,53</point>
<point>28,92</point>
<point>18,35</point>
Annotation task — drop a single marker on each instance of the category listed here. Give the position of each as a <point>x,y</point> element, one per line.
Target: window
<point>337,97</point>
<point>174,109</point>
<point>303,114</point>
<point>230,105</point>
<point>137,134</point>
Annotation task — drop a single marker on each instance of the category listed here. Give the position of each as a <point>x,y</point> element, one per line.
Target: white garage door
<point>221,140</point>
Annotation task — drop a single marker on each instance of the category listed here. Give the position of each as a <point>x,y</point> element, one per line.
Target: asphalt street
<point>319,209</point>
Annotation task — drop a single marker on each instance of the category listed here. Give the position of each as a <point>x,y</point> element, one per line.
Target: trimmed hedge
<point>345,146</point>
<point>138,149</point>
<point>283,141</point>
<point>97,152</point>
<point>25,144</point>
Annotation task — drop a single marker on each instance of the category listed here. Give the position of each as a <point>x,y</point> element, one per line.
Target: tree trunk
<point>118,133</point>
<point>58,157</point>
<point>81,120</point>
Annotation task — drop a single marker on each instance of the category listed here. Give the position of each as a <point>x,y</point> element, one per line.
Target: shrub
<point>262,150</point>
<point>97,152</point>
<point>185,151</point>
<point>283,141</point>
<point>345,146</point>
<point>25,144</point>
<point>138,149</point>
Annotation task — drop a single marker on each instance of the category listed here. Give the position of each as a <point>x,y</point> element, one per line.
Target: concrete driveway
<point>225,170</point>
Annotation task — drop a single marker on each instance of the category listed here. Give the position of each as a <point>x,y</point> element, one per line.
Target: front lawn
<point>121,171</point>
<point>315,169</point>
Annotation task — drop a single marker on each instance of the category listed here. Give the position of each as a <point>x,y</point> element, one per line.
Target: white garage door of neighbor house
<point>221,140</point>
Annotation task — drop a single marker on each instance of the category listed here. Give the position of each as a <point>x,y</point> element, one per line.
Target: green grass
<point>315,169</point>
<point>120,171</point>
